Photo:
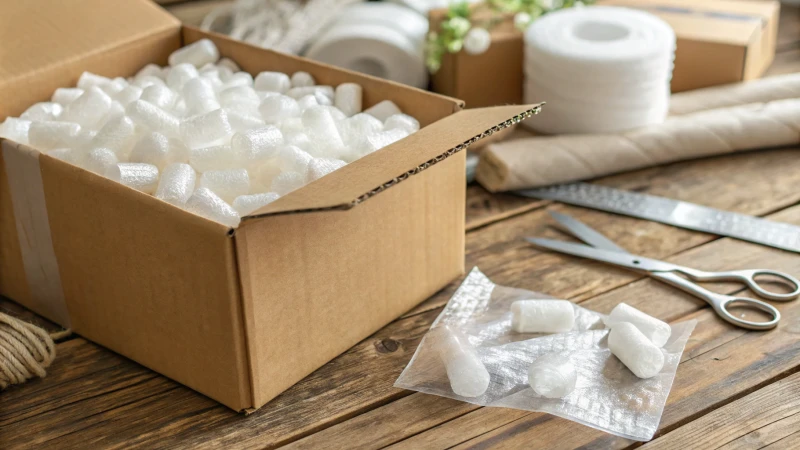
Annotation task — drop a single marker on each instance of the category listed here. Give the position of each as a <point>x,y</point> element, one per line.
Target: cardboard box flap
<point>378,171</point>
<point>41,36</point>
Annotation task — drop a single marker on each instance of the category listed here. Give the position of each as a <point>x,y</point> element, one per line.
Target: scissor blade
<point>612,257</point>
<point>586,233</point>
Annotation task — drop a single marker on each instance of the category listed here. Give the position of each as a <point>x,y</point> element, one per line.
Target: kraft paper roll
<point>761,90</point>
<point>541,161</point>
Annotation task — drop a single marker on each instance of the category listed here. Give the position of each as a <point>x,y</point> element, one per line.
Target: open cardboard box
<point>236,314</point>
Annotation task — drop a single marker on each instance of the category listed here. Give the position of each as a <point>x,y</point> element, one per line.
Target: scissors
<point>600,248</point>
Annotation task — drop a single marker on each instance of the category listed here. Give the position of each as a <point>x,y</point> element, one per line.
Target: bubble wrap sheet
<point>607,395</point>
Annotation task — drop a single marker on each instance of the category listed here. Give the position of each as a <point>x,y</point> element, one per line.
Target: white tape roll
<point>390,15</point>
<point>600,69</point>
<point>372,49</point>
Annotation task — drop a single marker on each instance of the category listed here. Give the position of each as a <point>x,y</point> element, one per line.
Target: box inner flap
<point>375,172</point>
<point>45,33</point>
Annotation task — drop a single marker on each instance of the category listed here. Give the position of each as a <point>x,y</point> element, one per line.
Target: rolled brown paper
<point>541,161</point>
<point>757,91</point>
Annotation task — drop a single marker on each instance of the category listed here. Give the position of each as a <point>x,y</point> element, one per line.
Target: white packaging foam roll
<point>542,316</point>
<point>552,376</point>
<point>656,330</point>
<point>372,49</point>
<point>635,350</point>
<point>389,15</point>
<point>600,69</point>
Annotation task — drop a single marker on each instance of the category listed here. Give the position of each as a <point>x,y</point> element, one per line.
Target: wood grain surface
<point>734,389</point>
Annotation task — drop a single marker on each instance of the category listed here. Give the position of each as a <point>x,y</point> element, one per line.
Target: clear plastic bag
<point>607,396</point>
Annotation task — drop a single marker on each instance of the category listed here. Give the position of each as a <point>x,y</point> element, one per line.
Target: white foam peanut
<point>552,376</point>
<point>101,161</point>
<point>239,94</point>
<point>383,110</point>
<point>180,75</point>
<point>245,204</point>
<point>374,142</point>
<point>197,54</point>
<point>291,158</point>
<point>276,108</point>
<point>215,157</point>
<point>321,127</point>
<point>65,96</point>
<point>152,117</point>
<point>15,129</point>
<point>88,109</point>
<point>89,79</point>
<point>114,87</point>
<point>140,176</point>
<point>348,98</point>
<point>319,167</point>
<point>159,150</point>
<point>360,126</point>
<point>227,184</point>
<point>43,111</point>
<point>656,330</point>
<point>69,155</point>
<point>159,95</point>
<point>205,129</point>
<point>403,122</point>
<point>467,374</point>
<point>118,135</point>
<point>302,79</point>
<point>635,350</point>
<point>199,96</point>
<point>542,316</point>
<point>148,81</point>
<point>128,94</point>
<point>150,70</point>
<point>176,184</point>
<point>242,121</point>
<point>49,135</point>
<point>229,64</point>
<point>300,92</point>
<point>258,144</point>
<point>307,102</point>
<point>239,79</point>
<point>206,203</point>
<point>287,182</point>
<point>272,82</point>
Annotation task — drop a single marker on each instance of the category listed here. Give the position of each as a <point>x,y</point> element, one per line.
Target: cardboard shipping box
<point>719,42</point>
<point>236,314</point>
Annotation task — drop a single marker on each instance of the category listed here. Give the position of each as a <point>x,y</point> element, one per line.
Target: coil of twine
<point>25,350</point>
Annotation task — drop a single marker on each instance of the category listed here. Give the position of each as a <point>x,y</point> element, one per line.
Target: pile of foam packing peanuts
<point>206,137</point>
<point>635,338</point>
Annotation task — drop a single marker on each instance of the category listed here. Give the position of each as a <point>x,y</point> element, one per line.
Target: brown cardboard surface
<point>44,40</point>
<point>343,187</point>
<point>713,50</point>
<point>195,301</point>
<point>347,273</point>
<point>494,77</point>
<point>148,280</point>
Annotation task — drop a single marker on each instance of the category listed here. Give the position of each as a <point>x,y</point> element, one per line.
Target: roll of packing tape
<point>372,49</point>
<point>600,69</point>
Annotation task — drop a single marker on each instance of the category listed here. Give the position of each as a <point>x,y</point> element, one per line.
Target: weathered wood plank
<point>754,421</point>
<point>791,442</point>
<point>672,305</point>
<point>341,386</point>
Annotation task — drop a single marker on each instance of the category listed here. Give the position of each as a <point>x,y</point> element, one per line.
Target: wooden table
<point>734,389</point>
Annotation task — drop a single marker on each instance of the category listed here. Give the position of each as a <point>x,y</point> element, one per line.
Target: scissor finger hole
<point>749,311</point>
<point>774,283</point>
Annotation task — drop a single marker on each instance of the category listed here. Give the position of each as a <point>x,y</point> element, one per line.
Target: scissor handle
<point>721,304</point>
<point>748,277</point>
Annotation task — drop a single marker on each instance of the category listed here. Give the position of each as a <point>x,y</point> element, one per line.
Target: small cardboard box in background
<point>239,314</point>
<point>719,42</point>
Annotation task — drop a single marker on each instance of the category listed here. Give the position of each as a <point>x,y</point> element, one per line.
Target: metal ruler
<point>673,212</point>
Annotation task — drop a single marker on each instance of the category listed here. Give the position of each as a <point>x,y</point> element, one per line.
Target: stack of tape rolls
<point>382,39</point>
<point>600,69</point>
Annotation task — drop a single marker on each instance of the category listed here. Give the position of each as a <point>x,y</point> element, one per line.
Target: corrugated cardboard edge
<point>532,110</point>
